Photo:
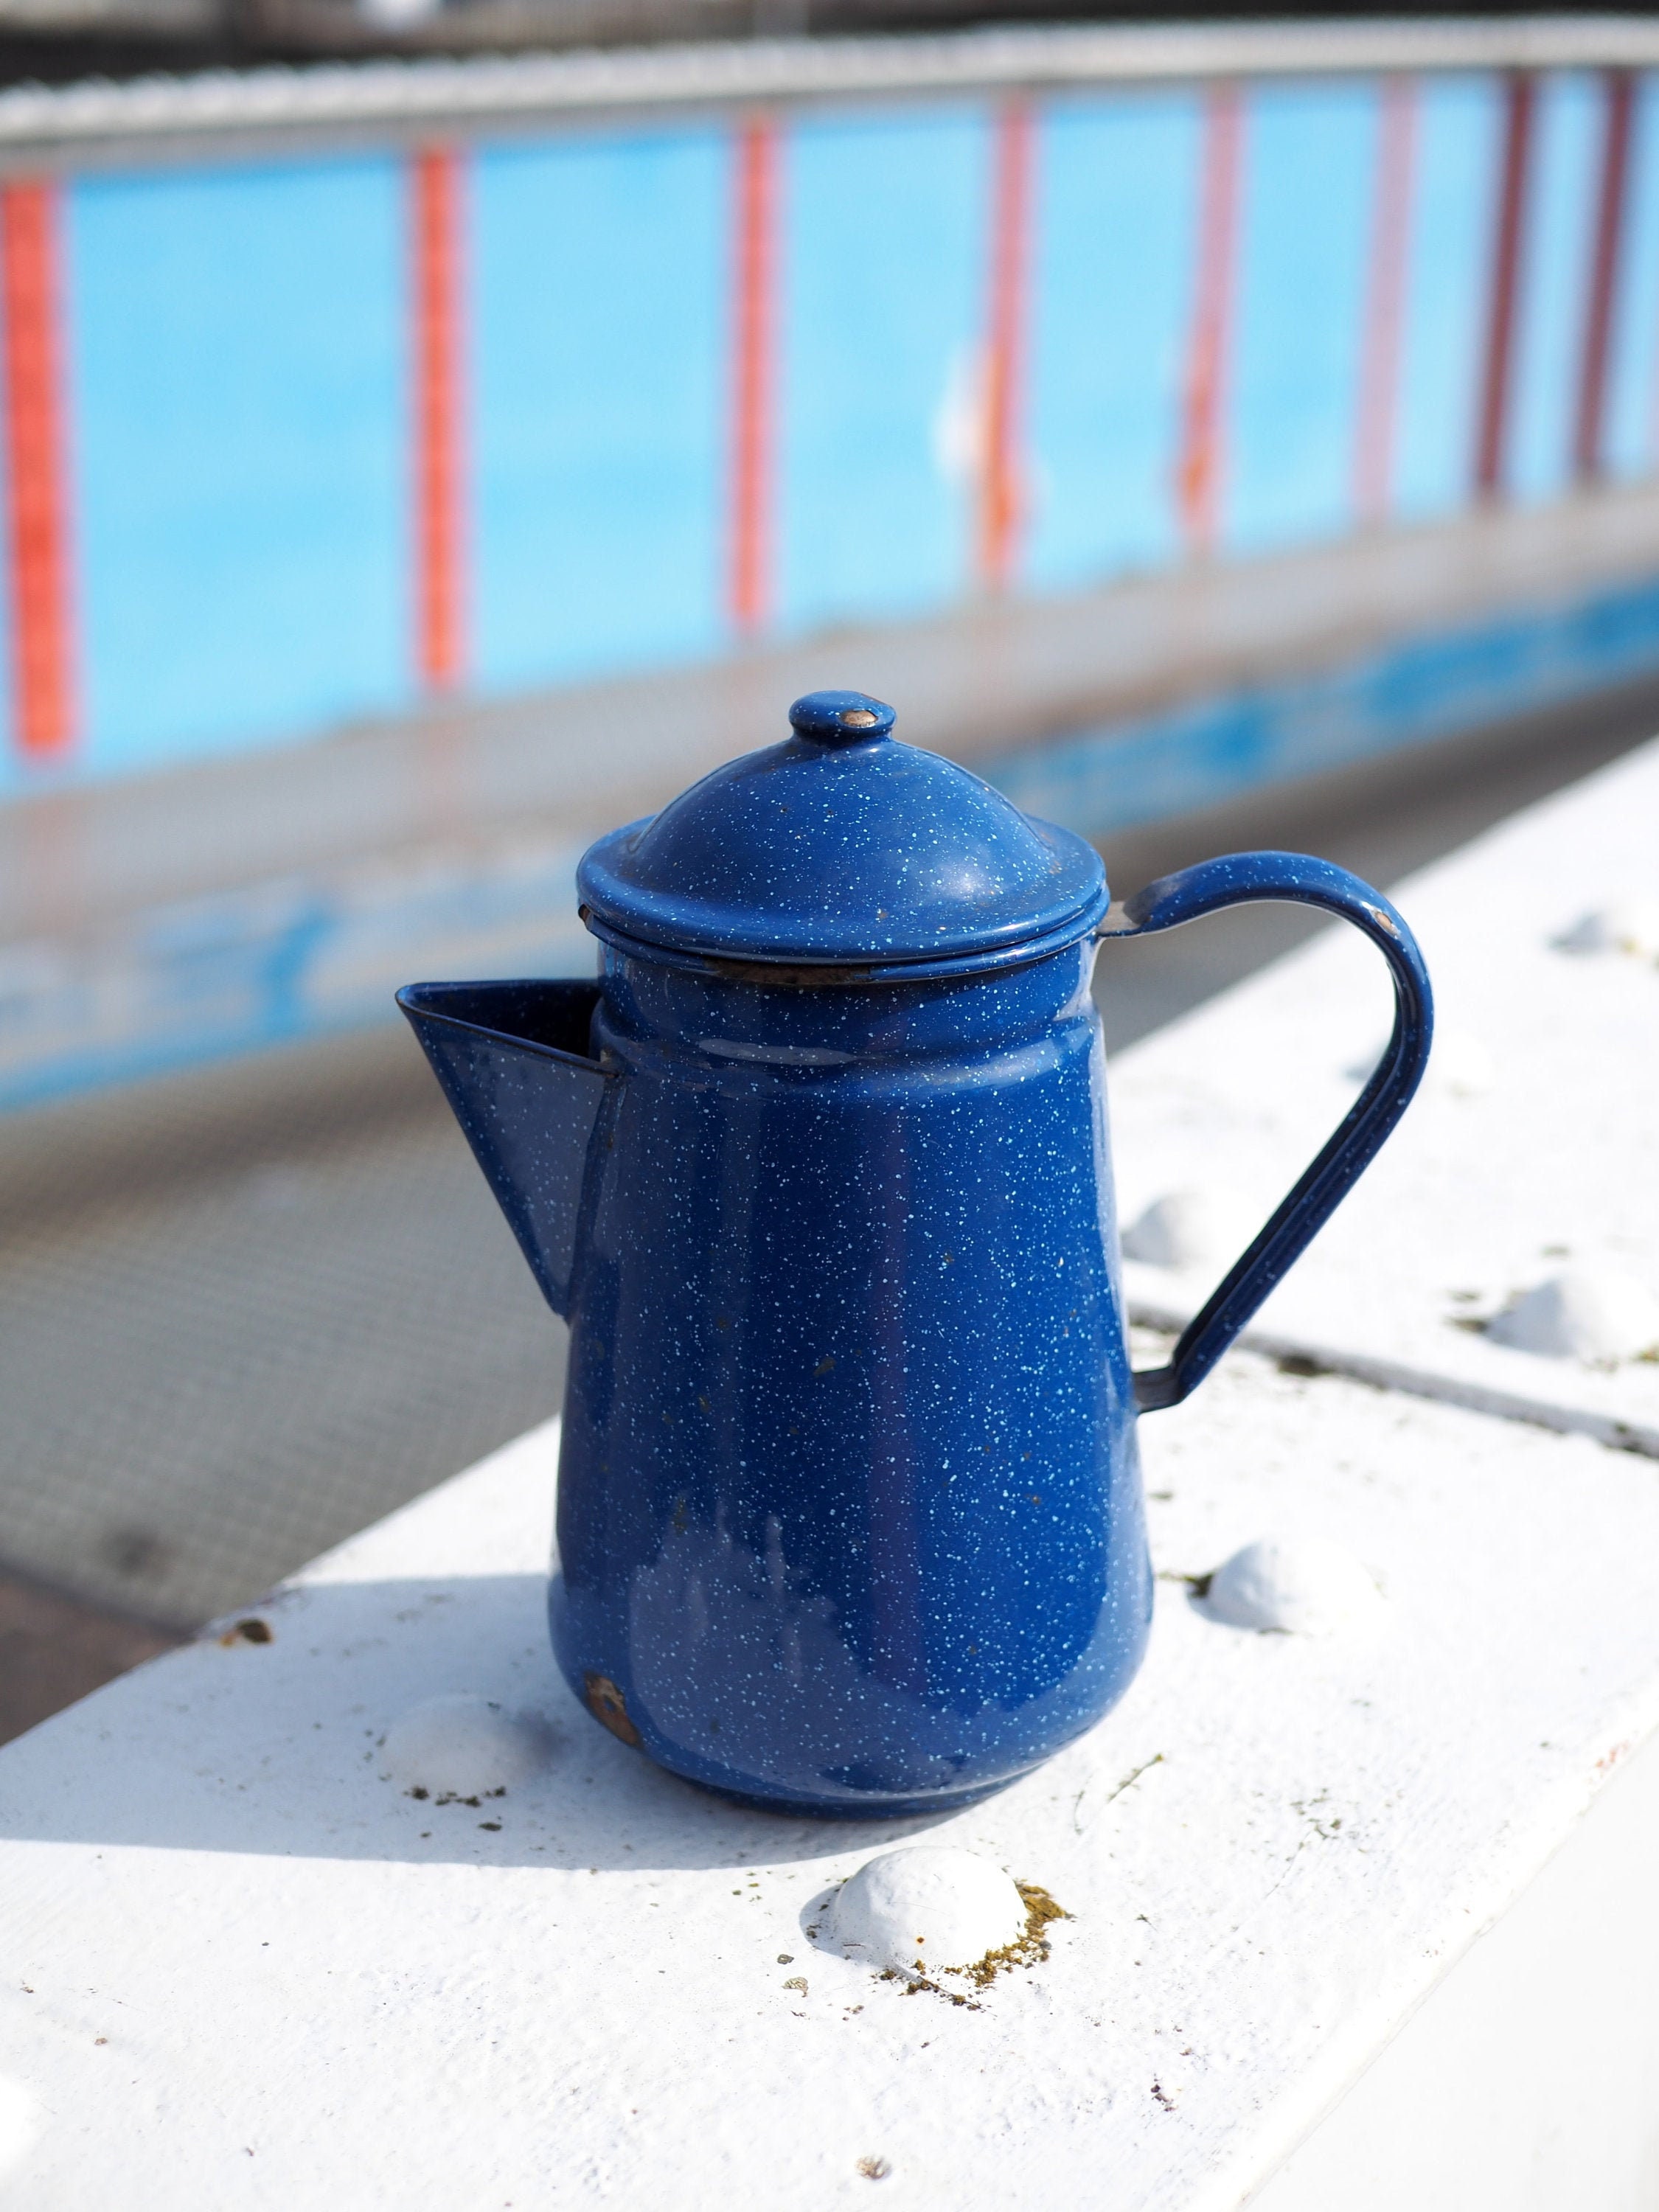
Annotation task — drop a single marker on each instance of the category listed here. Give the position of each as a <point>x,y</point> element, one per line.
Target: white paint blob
<point>463,1747</point>
<point>1305,1585</point>
<point>1190,1228</point>
<point>928,1906</point>
<point>1583,1313</point>
<point>1628,926</point>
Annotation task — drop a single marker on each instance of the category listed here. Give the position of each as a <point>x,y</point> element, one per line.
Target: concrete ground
<point>245,1311</point>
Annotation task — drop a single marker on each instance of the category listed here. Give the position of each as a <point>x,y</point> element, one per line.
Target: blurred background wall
<point>1231,433</point>
<point>339,405</point>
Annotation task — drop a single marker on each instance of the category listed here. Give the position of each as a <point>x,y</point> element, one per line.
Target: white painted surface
<point>1630,926</point>
<point>1526,2082</point>
<point>1482,1193</point>
<point>243,1964</point>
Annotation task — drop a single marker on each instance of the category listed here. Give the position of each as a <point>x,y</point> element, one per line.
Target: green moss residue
<point>1029,1949</point>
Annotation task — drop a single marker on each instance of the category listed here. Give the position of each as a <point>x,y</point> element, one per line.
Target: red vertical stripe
<point>43,693</point>
<point>1619,87</point>
<point>1498,373</point>
<point>1379,366</point>
<point>754,258</point>
<point>1001,486</point>
<point>1198,485</point>
<point>436,185</point>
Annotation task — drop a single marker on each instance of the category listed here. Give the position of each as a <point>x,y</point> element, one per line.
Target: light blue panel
<point>1632,403</point>
<point>1447,293</point>
<point>599,368</point>
<point>885,284</point>
<point>1309,168</point>
<point>1113,271</point>
<point>1560,244</point>
<point>239,447</point>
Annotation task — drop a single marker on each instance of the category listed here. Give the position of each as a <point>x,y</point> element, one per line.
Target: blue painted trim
<point>1207,750</point>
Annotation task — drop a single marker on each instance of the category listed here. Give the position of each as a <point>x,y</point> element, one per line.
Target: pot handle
<point>1237,879</point>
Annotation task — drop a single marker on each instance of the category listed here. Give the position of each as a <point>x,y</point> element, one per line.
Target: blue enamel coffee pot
<point>849,1516</point>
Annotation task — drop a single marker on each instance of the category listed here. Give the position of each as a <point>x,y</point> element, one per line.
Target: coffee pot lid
<point>843,847</point>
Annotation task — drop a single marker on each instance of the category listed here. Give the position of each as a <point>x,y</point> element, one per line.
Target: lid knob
<point>840,718</point>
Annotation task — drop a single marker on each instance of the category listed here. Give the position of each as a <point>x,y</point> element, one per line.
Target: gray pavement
<point>274,1302</point>
<point>245,1311</point>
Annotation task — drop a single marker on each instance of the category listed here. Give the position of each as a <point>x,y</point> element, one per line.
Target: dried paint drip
<point>929,1909</point>
<point>1599,1315</point>
<point>462,1748</point>
<point>1189,1229</point>
<point>1630,926</point>
<point>1301,1586</point>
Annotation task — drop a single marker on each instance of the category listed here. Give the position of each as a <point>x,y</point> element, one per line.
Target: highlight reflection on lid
<point>842,847</point>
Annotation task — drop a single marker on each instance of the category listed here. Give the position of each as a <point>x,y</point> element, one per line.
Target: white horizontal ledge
<point>1314,1357</point>
<point>248,1966</point>
<point>167,114</point>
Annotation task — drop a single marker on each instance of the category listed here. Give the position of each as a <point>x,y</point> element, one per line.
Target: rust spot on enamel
<point>607,1706</point>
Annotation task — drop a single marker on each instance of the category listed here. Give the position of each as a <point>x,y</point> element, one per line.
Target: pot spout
<point>514,1062</point>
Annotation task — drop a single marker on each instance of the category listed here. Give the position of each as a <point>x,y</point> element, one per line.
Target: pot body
<point>849,1510</point>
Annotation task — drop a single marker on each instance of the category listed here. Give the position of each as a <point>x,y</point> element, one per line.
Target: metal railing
<point>232,112</point>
